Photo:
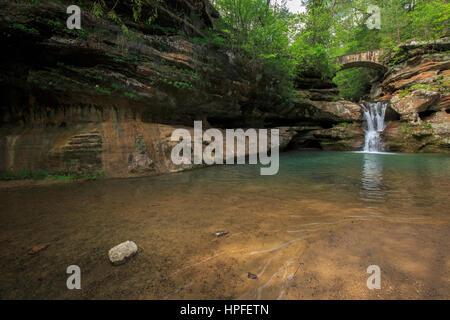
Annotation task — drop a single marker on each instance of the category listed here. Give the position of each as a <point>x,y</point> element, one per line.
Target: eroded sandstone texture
<point>107,98</point>
<point>418,89</point>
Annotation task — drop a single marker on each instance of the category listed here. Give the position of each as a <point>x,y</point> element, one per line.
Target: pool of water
<point>172,218</point>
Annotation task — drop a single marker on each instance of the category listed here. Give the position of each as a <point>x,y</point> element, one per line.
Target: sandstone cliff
<point>417,87</point>
<point>107,97</point>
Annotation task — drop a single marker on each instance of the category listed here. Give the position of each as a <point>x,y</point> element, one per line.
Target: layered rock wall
<point>417,88</point>
<point>106,98</point>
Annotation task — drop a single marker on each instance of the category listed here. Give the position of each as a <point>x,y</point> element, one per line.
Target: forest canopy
<point>306,43</point>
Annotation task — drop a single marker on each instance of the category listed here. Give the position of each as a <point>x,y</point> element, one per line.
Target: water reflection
<point>372,188</point>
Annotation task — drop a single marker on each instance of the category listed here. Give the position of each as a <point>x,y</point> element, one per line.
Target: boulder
<point>418,101</point>
<point>342,109</point>
<point>426,136</point>
<point>341,138</point>
<point>122,252</point>
<point>286,135</point>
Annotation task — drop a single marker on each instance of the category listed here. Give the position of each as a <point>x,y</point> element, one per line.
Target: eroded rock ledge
<point>107,99</point>
<point>418,90</point>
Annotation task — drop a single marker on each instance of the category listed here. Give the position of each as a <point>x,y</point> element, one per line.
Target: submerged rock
<point>412,104</point>
<point>252,276</point>
<point>220,233</point>
<point>122,252</point>
<point>38,248</point>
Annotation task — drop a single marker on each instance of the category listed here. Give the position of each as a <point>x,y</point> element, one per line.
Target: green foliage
<point>401,21</point>
<point>98,8</point>
<point>116,86</point>
<point>103,90</point>
<point>24,28</point>
<point>41,174</point>
<point>430,19</point>
<point>312,59</point>
<point>25,174</point>
<point>6,176</point>
<point>181,84</point>
<point>130,95</point>
<point>94,76</point>
<point>421,86</point>
<point>102,8</point>
<point>403,93</point>
<point>46,174</point>
<point>140,146</point>
<point>262,34</point>
<point>343,124</point>
<point>353,83</point>
<point>82,34</point>
<point>55,24</point>
<point>277,44</point>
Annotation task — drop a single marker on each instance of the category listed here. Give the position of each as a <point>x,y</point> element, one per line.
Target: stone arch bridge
<point>367,59</point>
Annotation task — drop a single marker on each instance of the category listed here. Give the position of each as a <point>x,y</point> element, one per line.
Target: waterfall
<point>374,115</point>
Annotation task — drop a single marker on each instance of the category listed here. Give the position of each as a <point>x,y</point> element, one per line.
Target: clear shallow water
<point>172,218</point>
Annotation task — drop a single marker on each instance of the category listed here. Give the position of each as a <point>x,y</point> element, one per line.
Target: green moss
<point>94,76</point>
<point>403,93</point>
<point>22,27</point>
<point>116,86</point>
<point>420,86</point>
<point>119,60</point>
<point>81,34</point>
<point>130,95</point>
<point>6,176</point>
<point>55,24</point>
<point>345,125</point>
<point>102,90</point>
<point>41,174</point>
<point>46,174</point>
<point>140,146</point>
<point>74,69</point>
<point>405,129</point>
<point>181,84</point>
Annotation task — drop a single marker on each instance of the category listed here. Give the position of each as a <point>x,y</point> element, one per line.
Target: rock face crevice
<point>325,121</point>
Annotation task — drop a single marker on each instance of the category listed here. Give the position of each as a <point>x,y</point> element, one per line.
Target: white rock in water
<point>120,253</point>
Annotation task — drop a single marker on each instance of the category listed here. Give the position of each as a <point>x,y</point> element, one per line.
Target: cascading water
<point>374,115</point>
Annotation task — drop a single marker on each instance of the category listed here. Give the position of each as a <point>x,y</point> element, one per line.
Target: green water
<point>172,218</point>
